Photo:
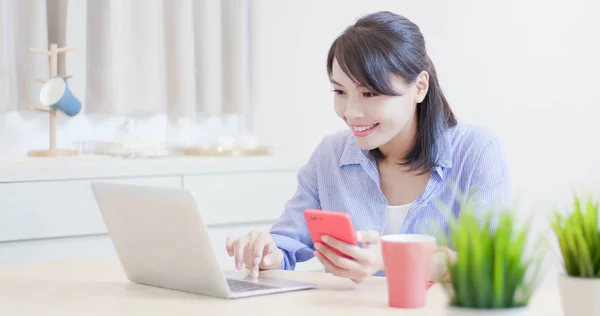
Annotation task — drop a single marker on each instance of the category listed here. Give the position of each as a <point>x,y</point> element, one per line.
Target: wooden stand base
<point>52,153</point>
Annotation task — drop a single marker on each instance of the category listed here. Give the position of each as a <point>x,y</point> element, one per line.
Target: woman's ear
<point>422,85</point>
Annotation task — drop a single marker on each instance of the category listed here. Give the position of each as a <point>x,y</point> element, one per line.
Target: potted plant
<point>579,241</point>
<point>491,275</point>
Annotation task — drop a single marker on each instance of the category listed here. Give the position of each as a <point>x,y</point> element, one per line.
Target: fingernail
<point>238,265</point>
<point>318,245</point>
<point>255,273</point>
<point>325,238</point>
<point>256,261</point>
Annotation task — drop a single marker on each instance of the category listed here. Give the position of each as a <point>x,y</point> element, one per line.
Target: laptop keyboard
<point>243,286</point>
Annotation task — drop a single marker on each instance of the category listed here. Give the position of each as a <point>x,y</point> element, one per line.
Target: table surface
<point>99,287</point>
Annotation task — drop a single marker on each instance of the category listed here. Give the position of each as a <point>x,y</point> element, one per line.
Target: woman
<point>403,153</point>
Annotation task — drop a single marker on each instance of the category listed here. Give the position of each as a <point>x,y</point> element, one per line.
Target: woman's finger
<point>252,236</point>
<point>343,247</point>
<point>368,237</point>
<point>335,258</point>
<point>229,245</point>
<point>238,248</point>
<point>257,248</point>
<point>332,268</point>
<point>272,258</point>
<point>351,251</point>
<point>257,245</point>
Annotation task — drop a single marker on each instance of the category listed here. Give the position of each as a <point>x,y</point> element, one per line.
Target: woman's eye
<point>340,92</point>
<point>369,94</point>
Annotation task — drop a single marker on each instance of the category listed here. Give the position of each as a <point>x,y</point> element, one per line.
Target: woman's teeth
<point>363,128</point>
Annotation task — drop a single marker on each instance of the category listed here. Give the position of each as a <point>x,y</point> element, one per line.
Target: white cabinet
<point>96,246</point>
<point>243,197</point>
<point>100,246</point>
<point>48,210</point>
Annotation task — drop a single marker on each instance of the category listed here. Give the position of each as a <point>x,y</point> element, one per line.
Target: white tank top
<point>395,218</point>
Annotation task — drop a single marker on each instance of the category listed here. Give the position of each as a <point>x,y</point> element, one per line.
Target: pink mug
<point>406,259</point>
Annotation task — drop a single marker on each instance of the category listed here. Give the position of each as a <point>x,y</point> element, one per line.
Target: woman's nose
<point>353,111</point>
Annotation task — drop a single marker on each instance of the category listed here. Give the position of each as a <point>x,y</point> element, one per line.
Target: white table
<point>99,287</point>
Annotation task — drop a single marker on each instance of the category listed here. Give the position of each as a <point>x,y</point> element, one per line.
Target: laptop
<point>162,241</point>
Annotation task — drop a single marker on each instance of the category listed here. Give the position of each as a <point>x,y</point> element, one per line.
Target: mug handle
<point>449,253</point>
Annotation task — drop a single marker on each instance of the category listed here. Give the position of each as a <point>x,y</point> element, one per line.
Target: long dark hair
<point>384,43</point>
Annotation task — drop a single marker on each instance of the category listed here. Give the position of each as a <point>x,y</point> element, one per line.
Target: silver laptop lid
<point>160,237</point>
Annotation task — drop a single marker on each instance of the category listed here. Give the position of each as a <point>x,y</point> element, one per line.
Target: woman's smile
<point>363,130</point>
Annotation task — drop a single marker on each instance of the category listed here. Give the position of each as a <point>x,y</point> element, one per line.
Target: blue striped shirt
<point>339,176</point>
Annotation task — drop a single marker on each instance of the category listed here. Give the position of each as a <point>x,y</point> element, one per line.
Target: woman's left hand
<point>362,262</point>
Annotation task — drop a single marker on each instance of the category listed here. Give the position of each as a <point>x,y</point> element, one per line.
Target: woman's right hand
<point>256,250</point>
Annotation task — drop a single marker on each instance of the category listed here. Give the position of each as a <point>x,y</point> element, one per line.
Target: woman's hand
<point>256,250</point>
<point>438,270</point>
<point>363,262</point>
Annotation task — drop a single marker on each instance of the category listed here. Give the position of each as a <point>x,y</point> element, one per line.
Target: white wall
<point>528,69</point>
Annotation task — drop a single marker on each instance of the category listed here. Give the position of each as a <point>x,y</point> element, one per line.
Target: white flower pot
<point>580,296</point>
<point>460,311</point>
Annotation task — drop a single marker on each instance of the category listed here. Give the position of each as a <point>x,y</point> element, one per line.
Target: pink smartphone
<point>335,224</point>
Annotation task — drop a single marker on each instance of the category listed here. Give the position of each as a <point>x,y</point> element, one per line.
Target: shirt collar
<point>353,155</point>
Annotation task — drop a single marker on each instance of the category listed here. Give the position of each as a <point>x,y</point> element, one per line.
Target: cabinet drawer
<point>242,197</point>
<point>101,246</point>
<point>32,210</point>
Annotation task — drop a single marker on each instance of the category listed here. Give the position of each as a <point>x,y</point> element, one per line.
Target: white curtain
<point>23,23</point>
<point>181,58</point>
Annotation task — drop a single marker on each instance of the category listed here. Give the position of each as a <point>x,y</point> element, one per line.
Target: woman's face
<point>374,119</point>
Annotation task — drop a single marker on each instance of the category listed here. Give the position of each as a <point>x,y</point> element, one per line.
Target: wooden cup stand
<point>52,151</point>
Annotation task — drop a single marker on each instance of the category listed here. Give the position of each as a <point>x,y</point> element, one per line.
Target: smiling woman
<point>402,90</point>
<point>404,153</point>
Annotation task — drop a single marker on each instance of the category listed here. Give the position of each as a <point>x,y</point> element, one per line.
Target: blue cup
<point>56,93</point>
